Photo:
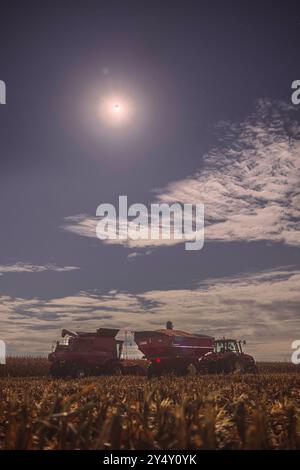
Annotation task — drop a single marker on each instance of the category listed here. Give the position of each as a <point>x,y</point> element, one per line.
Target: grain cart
<point>227,357</point>
<point>78,354</point>
<point>172,351</point>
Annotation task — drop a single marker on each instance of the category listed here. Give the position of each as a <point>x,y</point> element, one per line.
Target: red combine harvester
<point>79,354</point>
<point>172,351</point>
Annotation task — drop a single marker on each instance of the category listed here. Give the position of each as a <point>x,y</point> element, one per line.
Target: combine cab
<point>227,357</point>
<point>172,351</point>
<point>80,354</point>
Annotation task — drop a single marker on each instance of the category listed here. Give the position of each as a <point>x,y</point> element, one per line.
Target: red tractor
<point>79,354</point>
<point>172,351</point>
<point>227,357</point>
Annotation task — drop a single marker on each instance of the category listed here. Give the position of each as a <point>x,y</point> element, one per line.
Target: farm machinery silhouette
<point>181,353</point>
<point>80,354</point>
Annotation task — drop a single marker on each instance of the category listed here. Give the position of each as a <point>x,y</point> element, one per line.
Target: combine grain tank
<point>172,351</point>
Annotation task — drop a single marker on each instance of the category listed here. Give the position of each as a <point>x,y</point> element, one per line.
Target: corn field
<point>259,411</point>
<point>25,367</point>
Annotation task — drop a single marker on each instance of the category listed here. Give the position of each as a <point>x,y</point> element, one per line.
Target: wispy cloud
<point>249,184</point>
<point>31,268</point>
<point>262,307</point>
<point>80,224</point>
<point>134,254</point>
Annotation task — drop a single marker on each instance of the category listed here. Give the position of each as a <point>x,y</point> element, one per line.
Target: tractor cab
<point>228,345</point>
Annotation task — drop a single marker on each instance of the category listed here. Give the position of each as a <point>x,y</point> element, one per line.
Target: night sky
<point>213,123</point>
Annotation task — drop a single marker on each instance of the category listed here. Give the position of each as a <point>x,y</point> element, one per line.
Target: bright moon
<point>116,111</point>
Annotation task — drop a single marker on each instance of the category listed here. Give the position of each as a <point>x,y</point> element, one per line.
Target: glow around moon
<point>113,114</point>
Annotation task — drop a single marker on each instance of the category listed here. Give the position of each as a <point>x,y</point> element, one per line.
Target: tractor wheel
<point>79,373</point>
<point>253,369</point>
<point>151,372</point>
<point>116,370</point>
<point>191,370</point>
<point>237,367</point>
